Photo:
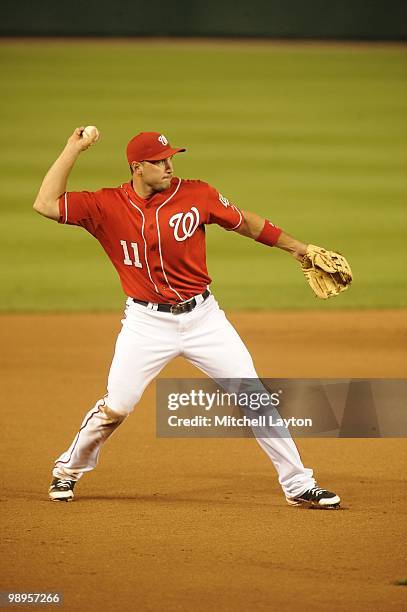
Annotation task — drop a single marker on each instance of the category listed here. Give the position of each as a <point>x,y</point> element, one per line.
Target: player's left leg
<point>212,344</point>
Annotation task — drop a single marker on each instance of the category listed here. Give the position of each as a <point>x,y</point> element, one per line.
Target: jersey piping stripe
<point>230,229</point>
<point>159,239</point>
<point>145,243</point>
<point>66,207</point>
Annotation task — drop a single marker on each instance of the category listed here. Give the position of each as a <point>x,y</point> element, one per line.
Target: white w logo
<point>185,223</point>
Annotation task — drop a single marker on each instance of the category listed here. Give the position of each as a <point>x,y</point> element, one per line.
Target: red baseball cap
<point>149,146</point>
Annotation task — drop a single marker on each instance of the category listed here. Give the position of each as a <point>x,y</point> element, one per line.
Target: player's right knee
<point>122,402</point>
<point>113,415</point>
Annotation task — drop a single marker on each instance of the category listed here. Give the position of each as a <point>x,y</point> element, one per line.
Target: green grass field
<point>314,137</point>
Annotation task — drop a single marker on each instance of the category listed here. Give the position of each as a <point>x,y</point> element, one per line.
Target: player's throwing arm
<point>55,181</point>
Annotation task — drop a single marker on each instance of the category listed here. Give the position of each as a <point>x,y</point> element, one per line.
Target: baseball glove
<point>328,273</point>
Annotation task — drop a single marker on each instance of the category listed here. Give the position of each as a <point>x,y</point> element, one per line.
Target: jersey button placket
<point>151,238</point>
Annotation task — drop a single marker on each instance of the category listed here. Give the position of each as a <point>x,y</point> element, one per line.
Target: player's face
<point>157,175</point>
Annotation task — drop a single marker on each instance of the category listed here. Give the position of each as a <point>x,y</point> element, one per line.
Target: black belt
<point>176,308</point>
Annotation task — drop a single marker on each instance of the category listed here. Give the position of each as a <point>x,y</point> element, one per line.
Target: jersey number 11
<point>127,260</point>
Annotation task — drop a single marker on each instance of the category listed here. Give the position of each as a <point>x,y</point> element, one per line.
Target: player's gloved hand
<point>327,272</point>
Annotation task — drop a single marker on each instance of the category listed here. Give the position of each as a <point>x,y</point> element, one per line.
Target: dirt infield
<point>198,524</point>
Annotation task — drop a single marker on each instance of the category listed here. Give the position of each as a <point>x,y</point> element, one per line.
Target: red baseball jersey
<point>157,245</point>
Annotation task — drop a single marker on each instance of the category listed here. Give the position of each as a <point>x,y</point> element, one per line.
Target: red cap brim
<point>163,154</point>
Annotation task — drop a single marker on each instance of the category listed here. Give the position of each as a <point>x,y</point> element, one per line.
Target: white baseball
<point>91,131</point>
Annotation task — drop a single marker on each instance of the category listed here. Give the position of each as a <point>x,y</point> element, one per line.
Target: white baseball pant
<point>148,340</point>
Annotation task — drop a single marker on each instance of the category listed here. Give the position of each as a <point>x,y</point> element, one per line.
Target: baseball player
<point>153,231</point>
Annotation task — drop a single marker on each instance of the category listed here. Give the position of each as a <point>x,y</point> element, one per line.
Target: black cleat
<point>61,490</point>
<point>316,498</point>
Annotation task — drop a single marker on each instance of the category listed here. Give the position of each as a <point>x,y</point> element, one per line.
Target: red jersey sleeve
<point>80,208</point>
<point>221,211</point>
